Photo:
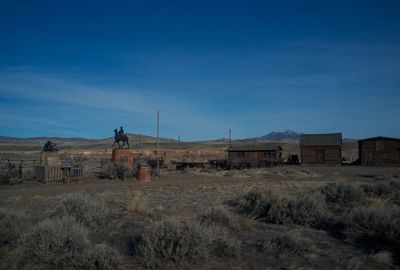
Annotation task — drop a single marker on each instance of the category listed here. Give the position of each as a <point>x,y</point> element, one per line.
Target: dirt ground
<point>137,206</point>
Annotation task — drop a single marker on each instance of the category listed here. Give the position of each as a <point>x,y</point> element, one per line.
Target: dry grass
<point>287,223</point>
<point>138,203</point>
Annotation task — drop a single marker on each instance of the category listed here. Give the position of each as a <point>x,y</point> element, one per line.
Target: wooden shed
<point>379,151</point>
<point>252,156</point>
<point>321,148</point>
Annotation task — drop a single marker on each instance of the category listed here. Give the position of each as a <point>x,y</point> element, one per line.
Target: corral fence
<point>55,174</point>
<point>32,169</point>
<point>16,167</point>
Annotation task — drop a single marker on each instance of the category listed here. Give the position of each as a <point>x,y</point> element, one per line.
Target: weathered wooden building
<point>321,148</point>
<point>379,151</point>
<point>252,156</point>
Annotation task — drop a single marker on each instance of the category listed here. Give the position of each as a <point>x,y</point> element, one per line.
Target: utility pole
<point>158,144</point>
<point>230,137</point>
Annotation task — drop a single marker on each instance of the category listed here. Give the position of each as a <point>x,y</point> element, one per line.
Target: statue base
<point>123,156</point>
<point>50,158</point>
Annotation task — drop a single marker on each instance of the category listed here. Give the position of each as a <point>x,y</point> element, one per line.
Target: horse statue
<point>118,137</point>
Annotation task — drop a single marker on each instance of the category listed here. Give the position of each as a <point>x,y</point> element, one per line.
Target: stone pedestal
<point>124,157</point>
<point>48,158</point>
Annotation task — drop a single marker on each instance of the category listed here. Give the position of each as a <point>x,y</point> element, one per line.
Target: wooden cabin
<point>321,148</point>
<point>254,156</point>
<point>379,151</point>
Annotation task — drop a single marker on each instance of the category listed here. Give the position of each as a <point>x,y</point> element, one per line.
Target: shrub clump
<point>12,225</point>
<point>307,209</point>
<point>83,208</point>
<point>374,224</point>
<point>342,194</point>
<point>113,171</point>
<point>180,242</point>
<point>304,209</point>
<point>385,189</point>
<point>103,257</point>
<point>172,242</point>
<point>289,242</point>
<point>216,217</point>
<point>62,243</point>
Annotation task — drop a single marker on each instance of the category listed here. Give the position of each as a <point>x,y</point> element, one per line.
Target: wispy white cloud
<point>186,117</point>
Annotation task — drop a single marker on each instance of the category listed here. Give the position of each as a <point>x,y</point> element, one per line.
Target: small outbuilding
<point>253,156</point>
<point>379,151</point>
<point>321,148</point>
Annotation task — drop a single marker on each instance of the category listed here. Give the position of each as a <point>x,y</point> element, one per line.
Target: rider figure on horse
<point>120,136</point>
<point>121,131</point>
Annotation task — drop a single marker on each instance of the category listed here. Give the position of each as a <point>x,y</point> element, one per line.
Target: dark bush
<point>374,224</point>
<point>247,203</point>
<point>113,171</point>
<point>289,242</point>
<point>83,208</point>
<point>308,209</point>
<point>12,225</point>
<point>304,209</point>
<point>214,216</point>
<point>342,193</point>
<point>385,189</point>
<point>103,257</point>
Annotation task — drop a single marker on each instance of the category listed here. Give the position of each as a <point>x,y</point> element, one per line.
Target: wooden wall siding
<point>321,155</point>
<point>253,159</point>
<point>254,156</point>
<point>379,152</point>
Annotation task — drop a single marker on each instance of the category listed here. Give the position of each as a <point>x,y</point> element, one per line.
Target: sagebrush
<point>177,242</point>
<point>12,225</point>
<point>62,243</point>
<point>83,208</point>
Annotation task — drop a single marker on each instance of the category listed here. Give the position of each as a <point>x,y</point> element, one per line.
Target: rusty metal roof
<point>331,139</point>
<point>255,147</point>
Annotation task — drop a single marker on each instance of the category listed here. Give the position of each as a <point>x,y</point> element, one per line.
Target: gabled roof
<point>380,138</point>
<point>331,139</point>
<point>255,147</point>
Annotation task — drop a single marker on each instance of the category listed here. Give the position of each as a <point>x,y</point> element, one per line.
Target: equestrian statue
<point>120,136</point>
<point>50,147</point>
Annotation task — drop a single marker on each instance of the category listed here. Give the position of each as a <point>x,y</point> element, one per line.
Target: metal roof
<point>255,147</point>
<point>380,138</point>
<point>331,139</point>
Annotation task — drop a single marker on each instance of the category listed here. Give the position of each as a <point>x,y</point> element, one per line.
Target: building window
<point>269,154</point>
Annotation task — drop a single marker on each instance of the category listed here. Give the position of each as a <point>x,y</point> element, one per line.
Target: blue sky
<point>83,68</point>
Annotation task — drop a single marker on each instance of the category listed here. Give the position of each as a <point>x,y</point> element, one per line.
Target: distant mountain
<point>288,136</point>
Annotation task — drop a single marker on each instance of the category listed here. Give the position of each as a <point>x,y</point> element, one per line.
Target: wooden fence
<point>47,174</point>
